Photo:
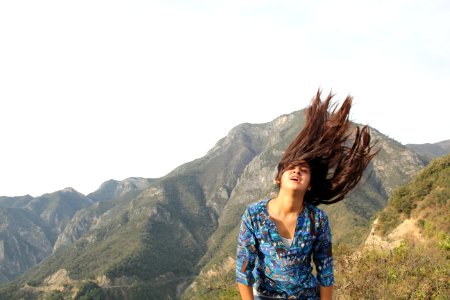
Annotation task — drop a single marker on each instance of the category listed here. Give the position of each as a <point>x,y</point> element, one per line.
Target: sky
<point>98,90</point>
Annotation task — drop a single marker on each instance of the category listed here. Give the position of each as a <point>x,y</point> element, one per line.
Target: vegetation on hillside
<point>414,269</point>
<point>410,271</point>
<point>423,199</point>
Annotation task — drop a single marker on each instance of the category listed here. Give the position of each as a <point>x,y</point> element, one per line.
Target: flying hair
<point>337,151</point>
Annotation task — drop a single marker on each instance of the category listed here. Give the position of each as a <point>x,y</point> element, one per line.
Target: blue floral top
<point>266,263</point>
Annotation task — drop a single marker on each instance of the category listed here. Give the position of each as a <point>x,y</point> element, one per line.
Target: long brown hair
<point>336,156</point>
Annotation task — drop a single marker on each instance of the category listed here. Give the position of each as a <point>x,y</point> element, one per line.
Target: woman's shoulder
<point>256,208</point>
<point>319,213</point>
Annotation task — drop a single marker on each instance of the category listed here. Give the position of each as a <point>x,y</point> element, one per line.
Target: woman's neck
<point>288,202</point>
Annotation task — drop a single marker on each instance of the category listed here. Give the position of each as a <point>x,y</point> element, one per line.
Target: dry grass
<point>409,271</point>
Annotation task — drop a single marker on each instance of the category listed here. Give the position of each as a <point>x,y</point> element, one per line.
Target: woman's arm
<point>323,257</point>
<point>246,291</point>
<point>246,257</point>
<point>326,292</point>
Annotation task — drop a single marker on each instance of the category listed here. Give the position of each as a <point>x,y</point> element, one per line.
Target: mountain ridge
<point>431,150</point>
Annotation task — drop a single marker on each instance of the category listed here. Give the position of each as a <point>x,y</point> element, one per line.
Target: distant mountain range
<point>150,238</point>
<point>430,151</point>
<point>32,228</point>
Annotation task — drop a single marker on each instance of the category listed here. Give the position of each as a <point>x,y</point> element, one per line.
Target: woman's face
<point>296,177</point>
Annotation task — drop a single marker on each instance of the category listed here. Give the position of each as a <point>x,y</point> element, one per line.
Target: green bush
<point>401,200</point>
<point>55,295</point>
<point>444,243</point>
<point>388,219</point>
<point>90,291</point>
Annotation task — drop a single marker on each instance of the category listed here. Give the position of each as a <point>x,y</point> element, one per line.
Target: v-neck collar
<point>275,234</point>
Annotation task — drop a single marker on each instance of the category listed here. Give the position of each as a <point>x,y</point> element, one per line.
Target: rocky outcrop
<point>395,164</point>
<point>407,229</point>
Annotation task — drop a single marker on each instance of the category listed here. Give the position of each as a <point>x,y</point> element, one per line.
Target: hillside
<point>151,241</point>
<point>408,254</point>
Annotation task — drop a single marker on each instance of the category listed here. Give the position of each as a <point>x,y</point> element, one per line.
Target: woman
<point>279,237</point>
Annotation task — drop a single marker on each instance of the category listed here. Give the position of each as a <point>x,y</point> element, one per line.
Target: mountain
<point>151,242</point>
<point>431,151</point>
<point>111,197</point>
<point>113,189</point>
<point>30,226</point>
<point>24,241</point>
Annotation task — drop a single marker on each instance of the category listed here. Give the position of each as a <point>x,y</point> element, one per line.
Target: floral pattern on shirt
<point>264,261</point>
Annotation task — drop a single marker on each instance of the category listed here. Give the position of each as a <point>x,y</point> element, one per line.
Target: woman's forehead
<point>301,163</point>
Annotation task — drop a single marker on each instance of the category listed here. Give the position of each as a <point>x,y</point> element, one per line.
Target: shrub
<point>90,291</point>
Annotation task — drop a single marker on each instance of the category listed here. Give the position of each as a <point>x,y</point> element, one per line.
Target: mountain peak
<point>69,190</point>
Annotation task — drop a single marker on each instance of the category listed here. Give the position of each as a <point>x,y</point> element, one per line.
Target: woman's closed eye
<point>304,169</point>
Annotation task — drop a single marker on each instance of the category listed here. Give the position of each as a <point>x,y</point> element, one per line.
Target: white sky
<point>92,90</point>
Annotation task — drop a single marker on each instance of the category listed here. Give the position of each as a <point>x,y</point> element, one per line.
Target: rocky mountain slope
<point>30,226</point>
<point>149,239</point>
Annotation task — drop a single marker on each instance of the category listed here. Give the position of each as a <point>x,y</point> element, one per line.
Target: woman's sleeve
<point>246,251</point>
<point>323,254</point>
